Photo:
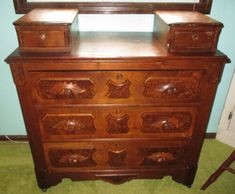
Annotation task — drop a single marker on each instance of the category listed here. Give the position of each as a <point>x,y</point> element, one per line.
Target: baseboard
<point>210,135</point>
<point>24,137</point>
<point>14,137</point>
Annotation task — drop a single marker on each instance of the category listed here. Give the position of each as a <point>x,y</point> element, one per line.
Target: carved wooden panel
<point>72,158</point>
<point>117,157</point>
<point>163,122</point>
<point>157,156</point>
<point>118,90</point>
<point>118,124</point>
<point>68,124</point>
<point>183,85</point>
<point>65,89</point>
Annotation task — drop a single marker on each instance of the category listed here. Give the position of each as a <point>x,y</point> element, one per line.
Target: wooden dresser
<point>118,107</point>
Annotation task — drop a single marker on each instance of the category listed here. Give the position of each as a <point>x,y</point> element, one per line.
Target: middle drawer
<point>116,87</point>
<point>116,122</point>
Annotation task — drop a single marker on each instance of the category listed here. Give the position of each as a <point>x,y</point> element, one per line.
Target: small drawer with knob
<point>191,40</point>
<point>35,34</point>
<point>187,31</point>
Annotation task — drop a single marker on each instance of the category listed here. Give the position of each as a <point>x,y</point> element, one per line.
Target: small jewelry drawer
<point>47,30</point>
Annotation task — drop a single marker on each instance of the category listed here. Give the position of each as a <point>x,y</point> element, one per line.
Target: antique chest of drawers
<point>118,107</point>
<point>47,30</point>
<point>187,31</point>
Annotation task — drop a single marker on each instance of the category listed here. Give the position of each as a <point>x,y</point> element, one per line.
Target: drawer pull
<point>166,122</point>
<point>117,157</point>
<point>68,124</point>
<point>169,89</point>
<point>118,90</point>
<point>195,37</point>
<point>117,125</point>
<point>75,161</point>
<point>161,157</point>
<point>119,76</point>
<point>72,158</point>
<point>166,125</point>
<point>42,36</point>
<point>65,89</point>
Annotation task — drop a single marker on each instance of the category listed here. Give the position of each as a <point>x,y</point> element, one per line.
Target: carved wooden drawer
<point>117,122</point>
<point>116,87</point>
<point>114,154</point>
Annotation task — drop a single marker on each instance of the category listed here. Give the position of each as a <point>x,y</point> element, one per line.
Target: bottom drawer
<point>113,154</point>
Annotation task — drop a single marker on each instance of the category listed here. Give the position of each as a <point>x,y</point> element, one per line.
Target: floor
<point>17,176</point>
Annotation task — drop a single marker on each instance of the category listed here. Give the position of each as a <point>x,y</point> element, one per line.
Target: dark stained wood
<point>25,138</point>
<point>204,6</point>
<point>187,31</point>
<point>48,17</point>
<point>99,46</point>
<point>118,107</point>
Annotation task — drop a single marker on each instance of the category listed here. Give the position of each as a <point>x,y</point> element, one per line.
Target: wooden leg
<point>45,179</point>
<point>187,176</point>
<point>219,171</point>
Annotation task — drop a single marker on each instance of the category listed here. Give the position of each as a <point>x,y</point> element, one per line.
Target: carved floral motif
<point>156,156</point>
<point>72,158</point>
<point>117,124</point>
<point>65,89</point>
<point>163,122</point>
<point>161,157</point>
<point>69,124</point>
<point>173,87</point>
<point>118,90</point>
<point>117,158</point>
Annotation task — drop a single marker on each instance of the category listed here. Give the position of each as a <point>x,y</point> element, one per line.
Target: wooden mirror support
<point>203,6</point>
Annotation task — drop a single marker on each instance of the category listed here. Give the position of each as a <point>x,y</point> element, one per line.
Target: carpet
<point>17,176</point>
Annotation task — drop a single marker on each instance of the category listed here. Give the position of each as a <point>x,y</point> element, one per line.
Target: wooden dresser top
<point>184,17</point>
<point>113,45</point>
<point>48,17</point>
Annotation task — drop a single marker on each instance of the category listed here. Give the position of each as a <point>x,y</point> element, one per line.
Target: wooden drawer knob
<point>195,37</point>
<point>74,161</point>
<point>42,36</point>
<point>119,76</point>
<point>169,89</point>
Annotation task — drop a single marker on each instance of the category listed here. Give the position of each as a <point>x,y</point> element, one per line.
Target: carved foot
<point>45,179</point>
<point>186,177</point>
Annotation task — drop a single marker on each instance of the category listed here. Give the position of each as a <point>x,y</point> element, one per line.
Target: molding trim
<point>24,137</point>
<point>24,6</point>
<point>210,135</point>
<point>14,137</point>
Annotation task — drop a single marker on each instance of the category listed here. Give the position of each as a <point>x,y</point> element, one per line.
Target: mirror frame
<point>203,6</point>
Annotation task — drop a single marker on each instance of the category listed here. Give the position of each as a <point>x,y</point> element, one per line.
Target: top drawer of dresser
<point>116,87</point>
